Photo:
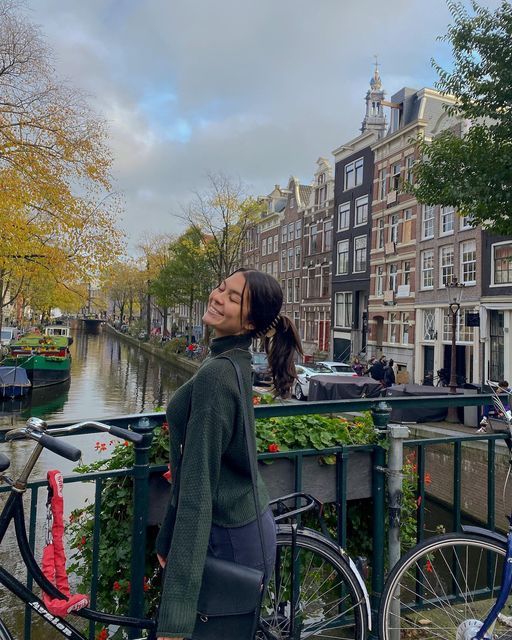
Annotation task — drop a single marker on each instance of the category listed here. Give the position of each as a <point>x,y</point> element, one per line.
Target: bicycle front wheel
<point>313,592</point>
<point>4,631</point>
<point>444,588</point>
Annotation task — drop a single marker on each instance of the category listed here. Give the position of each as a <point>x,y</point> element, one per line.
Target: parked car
<point>305,372</point>
<point>8,334</point>
<point>260,370</point>
<point>341,368</point>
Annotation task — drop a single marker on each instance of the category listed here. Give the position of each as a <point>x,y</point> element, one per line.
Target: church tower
<point>375,119</point>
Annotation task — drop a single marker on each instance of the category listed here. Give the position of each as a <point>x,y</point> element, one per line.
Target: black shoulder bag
<point>230,596</point>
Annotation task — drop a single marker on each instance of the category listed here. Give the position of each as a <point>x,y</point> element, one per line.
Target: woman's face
<point>224,312</point>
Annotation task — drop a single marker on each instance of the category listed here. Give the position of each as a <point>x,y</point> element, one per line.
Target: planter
<point>319,479</point>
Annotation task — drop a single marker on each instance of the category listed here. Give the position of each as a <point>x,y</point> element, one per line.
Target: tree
<point>187,277</point>
<point>220,218</point>
<point>57,210</point>
<point>472,170</point>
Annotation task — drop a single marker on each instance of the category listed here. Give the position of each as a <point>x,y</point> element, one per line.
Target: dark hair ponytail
<point>281,349</point>
<point>280,337</point>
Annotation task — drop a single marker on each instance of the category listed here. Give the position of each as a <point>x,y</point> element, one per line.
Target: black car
<point>260,369</point>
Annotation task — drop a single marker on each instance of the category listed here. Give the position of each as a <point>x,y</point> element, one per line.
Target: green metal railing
<point>380,408</point>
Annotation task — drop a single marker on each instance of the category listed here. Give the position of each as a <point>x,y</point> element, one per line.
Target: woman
<point>215,511</point>
<point>389,374</point>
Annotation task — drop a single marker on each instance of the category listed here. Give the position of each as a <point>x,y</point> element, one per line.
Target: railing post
<point>140,511</point>
<point>396,435</point>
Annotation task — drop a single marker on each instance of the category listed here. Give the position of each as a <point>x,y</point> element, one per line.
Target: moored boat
<point>46,359</point>
<point>14,382</point>
<point>61,330</point>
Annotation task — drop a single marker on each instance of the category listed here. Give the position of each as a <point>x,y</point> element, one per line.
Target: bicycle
<point>456,585</point>
<point>315,591</point>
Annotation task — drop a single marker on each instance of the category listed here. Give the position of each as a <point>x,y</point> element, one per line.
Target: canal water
<point>109,377</point>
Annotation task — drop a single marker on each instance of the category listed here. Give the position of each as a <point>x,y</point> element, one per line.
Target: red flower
<point>428,479</point>
<point>126,443</point>
<point>256,400</point>
<point>165,426</point>
<point>116,586</point>
<point>102,635</point>
<point>428,567</point>
<point>418,501</point>
<point>82,542</point>
<point>168,475</point>
<point>273,448</point>
<point>146,584</point>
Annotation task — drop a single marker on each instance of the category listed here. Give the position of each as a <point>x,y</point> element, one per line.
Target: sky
<point>255,89</point>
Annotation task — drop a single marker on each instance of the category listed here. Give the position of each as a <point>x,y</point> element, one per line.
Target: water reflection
<point>108,378</point>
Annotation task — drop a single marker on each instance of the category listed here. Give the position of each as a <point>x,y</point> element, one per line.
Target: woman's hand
<point>162,561</point>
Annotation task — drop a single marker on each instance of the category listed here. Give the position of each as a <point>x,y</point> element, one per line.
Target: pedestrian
<point>357,366</point>
<point>215,511</point>
<point>377,369</point>
<point>389,373</point>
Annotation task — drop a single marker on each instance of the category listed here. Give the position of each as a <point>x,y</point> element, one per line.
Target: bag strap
<point>251,453</point>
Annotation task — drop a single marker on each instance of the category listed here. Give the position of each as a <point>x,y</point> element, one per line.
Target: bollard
<point>381,412</point>
<point>140,511</point>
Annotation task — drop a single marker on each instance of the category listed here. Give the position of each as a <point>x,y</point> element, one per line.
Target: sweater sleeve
<point>209,429</point>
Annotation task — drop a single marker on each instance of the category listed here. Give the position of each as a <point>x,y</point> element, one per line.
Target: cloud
<point>255,89</point>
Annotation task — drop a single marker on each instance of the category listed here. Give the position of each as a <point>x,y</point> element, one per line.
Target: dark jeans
<point>242,544</point>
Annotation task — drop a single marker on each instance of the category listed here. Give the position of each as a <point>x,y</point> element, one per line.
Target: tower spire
<point>375,118</point>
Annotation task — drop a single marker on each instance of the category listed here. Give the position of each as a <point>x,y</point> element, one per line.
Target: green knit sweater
<point>215,480</point>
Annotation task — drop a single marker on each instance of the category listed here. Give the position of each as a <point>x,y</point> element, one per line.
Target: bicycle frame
<point>13,511</point>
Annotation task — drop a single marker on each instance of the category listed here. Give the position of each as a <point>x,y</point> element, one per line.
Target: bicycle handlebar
<point>99,426</point>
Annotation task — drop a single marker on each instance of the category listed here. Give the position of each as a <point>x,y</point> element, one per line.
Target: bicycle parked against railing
<point>454,586</point>
<point>316,590</point>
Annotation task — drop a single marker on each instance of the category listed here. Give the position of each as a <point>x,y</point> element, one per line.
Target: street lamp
<point>454,290</point>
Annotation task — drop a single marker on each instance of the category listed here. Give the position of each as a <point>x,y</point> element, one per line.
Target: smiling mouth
<point>215,312</point>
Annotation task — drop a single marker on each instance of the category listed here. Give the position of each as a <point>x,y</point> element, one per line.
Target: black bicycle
<point>316,590</point>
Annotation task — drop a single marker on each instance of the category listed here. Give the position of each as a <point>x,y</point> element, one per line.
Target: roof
<point>304,193</point>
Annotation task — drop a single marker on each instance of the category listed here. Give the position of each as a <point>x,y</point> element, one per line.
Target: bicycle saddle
<point>4,462</point>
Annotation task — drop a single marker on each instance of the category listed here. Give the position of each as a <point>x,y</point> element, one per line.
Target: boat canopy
<point>13,376</point>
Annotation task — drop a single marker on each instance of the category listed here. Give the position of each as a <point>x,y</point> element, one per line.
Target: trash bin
<point>470,413</point>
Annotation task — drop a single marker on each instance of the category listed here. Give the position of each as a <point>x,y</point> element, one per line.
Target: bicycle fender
<point>485,533</point>
<point>359,578</point>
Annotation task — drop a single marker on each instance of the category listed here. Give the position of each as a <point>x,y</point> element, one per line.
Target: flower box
<point>318,478</point>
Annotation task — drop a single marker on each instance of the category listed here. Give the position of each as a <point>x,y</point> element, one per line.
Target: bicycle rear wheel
<point>4,632</point>
<point>444,588</point>
<point>315,596</point>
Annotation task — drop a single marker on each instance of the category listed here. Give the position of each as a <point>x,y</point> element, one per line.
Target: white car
<point>304,373</point>
<point>341,368</point>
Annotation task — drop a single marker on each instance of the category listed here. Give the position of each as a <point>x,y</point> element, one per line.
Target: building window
<point>343,216</point>
<point>359,254</point>
<point>427,269</point>
<point>465,221</point>
<point>290,258</point>
<point>328,235</point>
<point>275,268</point>
<point>383,182</point>
<point>447,219</point>
<point>446,258</point>
<point>290,231</point>
<point>395,176</point>
<point>405,327</point>
<point>326,278</point>
<point>393,328</point>
<point>407,228</point>
<point>283,260</point>
<point>407,273</point>
<point>284,231</point>
<point>289,297</point>
<point>276,243</point>
<point>409,174</point>
<point>296,295</point>
<point>396,116</point>
<point>394,220</point>
<point>428,222</point>
<point>269,245</point>
<point>380,234</point>
<point>354,174</point>
<point>393,277</point>
<point>342,262</point>
<point>283,286</point>
<point>343,309</point>
<point>468,262</point>
<point>297,256</point>
<point>298,229</point>
<point>379,281</point>
<point>462,333</point>
<point>361,211</point>
<point>502,258</point>
<point>315,240</point>
<point>429,325</point>
<point>321,190</point>
<point>264,247</point>
<point>313,284</point>
<point>310,326</point>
